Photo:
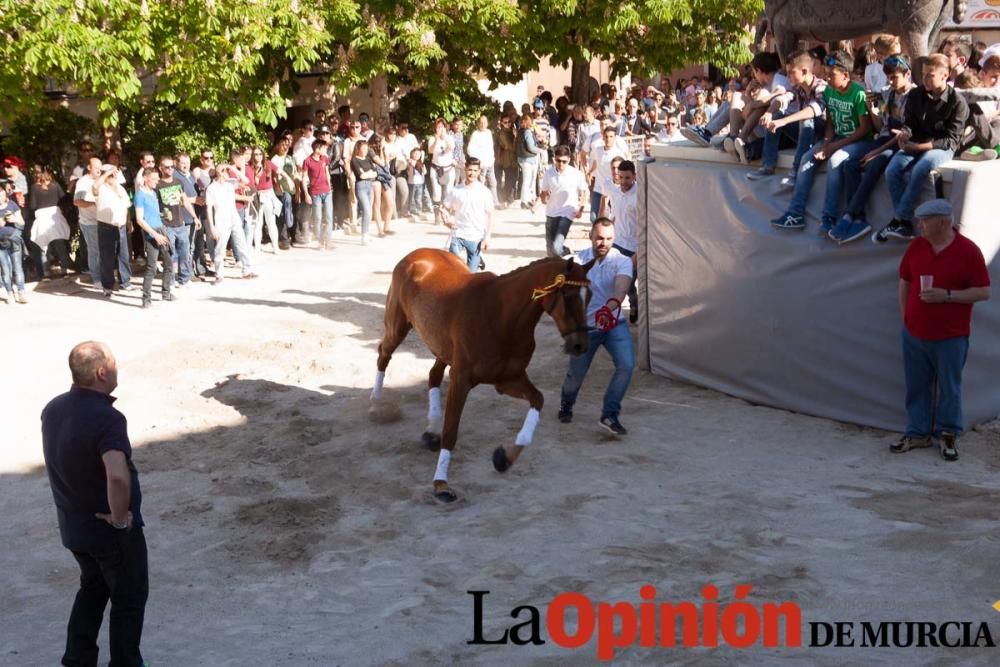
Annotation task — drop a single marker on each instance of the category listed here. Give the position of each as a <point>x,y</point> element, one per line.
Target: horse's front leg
<point>458,391</point>
<point>504,457</point>
<point>432,435</point>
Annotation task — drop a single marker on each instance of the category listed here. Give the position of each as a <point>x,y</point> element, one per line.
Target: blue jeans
<point>180,241</point>
<point>365,193</point>
<point>93,241</point>
<point>835,173</point>
<point>927,363</point>
<point>867,176</point>
<point>472,251</point>
<point>804,133</point>
<point>904,195</point>
<point>12,263</point>
<point>286,210</point>
<point>556,230</point>
<point>416,197</point>
<point>595,204</point>
<point>322,216</point>
<point>618,341</point>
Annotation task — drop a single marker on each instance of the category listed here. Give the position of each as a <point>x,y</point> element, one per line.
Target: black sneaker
<point>565,413</point>
<point>946,445</point>
<point>612,425</point>
<point>899,229</point>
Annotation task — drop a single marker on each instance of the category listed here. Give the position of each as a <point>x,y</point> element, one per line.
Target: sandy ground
<point>286,529</point>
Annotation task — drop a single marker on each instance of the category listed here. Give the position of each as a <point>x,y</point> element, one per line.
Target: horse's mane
<point>522,269</point>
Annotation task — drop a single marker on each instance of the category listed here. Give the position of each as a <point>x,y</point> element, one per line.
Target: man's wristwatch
<point>947,297</point>
<point>120,526</point>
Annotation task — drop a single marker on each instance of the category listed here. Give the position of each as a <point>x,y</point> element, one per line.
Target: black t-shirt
<point>78,427</point>
<point>171,197</point>
<point>45,197</point>
<point>361,164</point>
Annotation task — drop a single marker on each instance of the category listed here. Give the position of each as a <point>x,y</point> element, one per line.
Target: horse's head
<point>565,300</point>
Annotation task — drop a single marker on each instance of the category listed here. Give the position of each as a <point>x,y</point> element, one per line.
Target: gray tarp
<point>789,319</point>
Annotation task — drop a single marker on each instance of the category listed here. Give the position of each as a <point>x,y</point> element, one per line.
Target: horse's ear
<point>569,264</point>
<point>588,266</point>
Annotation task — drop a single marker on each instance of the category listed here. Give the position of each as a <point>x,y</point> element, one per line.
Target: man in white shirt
<point>84,200</point>
<point>564,190</point>
<point>303,147</point>
<point>112,205</point>
<point>623,208</point>
<point>588,131</point>
<point>610,276</point>
<point>468,212</point>
<point>599,170</point>
<point>481,148</point>
<point>223,223</point>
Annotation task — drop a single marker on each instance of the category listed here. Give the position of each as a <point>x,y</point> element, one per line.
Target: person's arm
<point>830,147</point>
<point>80,201</point>
<point>489,226</point>
<point>584,195</point>
<point>773,125</point>
<point>119,489</point>
<point>622,283</point>
<point>968,295</point>
<point>140,219</point>
<point>904,293</point>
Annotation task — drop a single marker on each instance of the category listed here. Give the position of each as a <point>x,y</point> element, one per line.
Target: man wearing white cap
<point>941,275</point>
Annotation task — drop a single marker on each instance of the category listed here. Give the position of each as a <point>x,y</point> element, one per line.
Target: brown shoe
<point>908,442</point>
<point>946,445</point>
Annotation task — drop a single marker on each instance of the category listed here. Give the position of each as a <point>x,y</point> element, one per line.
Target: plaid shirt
<point>809,97</point>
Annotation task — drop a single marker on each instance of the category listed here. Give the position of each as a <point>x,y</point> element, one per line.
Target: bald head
<point>93,366</point>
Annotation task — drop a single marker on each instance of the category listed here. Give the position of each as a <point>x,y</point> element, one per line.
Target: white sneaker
<point>740,147</point>
<point>364,239</point>
<point>980,156</point>
<point>730,146</point>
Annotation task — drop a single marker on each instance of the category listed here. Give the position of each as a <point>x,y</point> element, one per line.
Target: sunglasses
<point>168,167</point>
<point>562,161</point>
<point>207,157</point>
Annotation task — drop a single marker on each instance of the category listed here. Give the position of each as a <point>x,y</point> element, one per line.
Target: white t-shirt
<point>603,181</point>
<point>85,192</point>
<point>112,204</point>
<point>303,149</point>
<point>565,190</point>
<point>443,154</point>
<point>602,278</point>
<point>585,134</point>
<point>481,147</point>
<point>472,205</point>
<point>406,144</point>
<point>625,213</point>
<point>221,197</point>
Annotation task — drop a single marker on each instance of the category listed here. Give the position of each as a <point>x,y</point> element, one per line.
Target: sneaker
<point>899,229</point>
<point>946,445</point>
<point>763,172</point>
<point>740,146</point>
<point>565,413</point>
<point>908,442</point>
<point>218,280</point>
<point>879,237</point>
<point>9,298</point>
<point>976,154</point>
<point>21,297</point>
<point>858,228</point>
<point>612,425</point>
<point>107,294</point>
<point>833,228</point>
<point>786,184</point>
<point>167,296</point>
<point>146,303</point>
<point>729,145</point>
<point>364,239</point>
<point>718,142</point>
<point>249,276</point>
<point>789,221</point>
<point>694,136</point>
<point>127,287</point>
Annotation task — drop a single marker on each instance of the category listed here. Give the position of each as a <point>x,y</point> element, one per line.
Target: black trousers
<point>121,575</point>
<point>109,240</point>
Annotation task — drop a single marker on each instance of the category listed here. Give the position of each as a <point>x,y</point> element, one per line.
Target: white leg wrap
<point>377,391</point>
<point>434,414</point>
<point>527,431</point>
<point>444,458</point>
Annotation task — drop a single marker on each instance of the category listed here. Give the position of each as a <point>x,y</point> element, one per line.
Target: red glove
<point>607,319</point>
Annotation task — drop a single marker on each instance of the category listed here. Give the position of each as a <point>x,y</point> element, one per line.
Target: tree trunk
<point>379,90</point>
<point>580,81</point>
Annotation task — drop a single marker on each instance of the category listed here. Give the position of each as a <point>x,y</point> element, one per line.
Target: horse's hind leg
<point>432,436</point>
<point>397,325</point>
<point>521,387</point>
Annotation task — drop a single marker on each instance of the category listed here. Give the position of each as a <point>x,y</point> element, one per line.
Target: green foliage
<point>167,129</point>
<point>49,136</point>
<point>420,109</point>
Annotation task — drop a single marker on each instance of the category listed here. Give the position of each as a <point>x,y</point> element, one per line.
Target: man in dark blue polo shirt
<point>96,489</point>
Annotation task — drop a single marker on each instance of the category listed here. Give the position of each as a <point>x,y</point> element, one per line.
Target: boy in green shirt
<point>848,137</point>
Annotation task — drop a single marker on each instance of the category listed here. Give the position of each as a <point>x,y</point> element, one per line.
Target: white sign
<point>980,14</point>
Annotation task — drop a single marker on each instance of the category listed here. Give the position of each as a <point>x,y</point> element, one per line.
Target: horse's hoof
<point>445,496</point>
<point>500,460</point>
<point>431,441</point>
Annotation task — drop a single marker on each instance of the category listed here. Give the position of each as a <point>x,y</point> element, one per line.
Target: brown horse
<point>483,326</point>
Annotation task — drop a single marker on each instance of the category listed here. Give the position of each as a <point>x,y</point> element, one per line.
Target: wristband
<point>947,297</point>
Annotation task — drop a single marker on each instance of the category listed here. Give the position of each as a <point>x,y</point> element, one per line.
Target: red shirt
<point>959,266</point>
<point>265,180</point>
<point>319,174</point>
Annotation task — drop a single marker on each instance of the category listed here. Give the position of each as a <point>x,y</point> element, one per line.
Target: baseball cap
<point>897,61</point>
<point>105,168</point>
<point>935,208</point>
<point>323,129</point>
<point>839,59</point>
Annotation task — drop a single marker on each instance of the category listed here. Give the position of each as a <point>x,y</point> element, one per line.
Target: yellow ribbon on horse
<point>560,280</point>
